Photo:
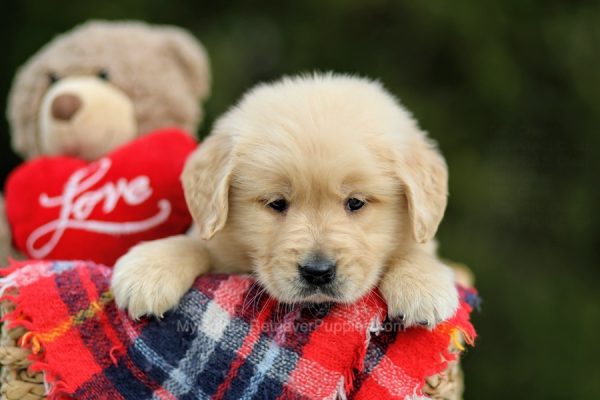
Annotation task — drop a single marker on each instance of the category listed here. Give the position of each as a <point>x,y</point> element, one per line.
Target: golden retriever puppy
<point>324,187</point>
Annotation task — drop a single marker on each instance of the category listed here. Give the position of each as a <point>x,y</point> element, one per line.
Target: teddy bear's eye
<point>53,78</point>
<point>103,74</point>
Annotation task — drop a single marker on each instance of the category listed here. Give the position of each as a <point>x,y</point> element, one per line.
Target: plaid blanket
<point>226,340</point>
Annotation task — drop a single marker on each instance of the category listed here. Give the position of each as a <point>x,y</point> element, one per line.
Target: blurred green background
<point>510,89</point>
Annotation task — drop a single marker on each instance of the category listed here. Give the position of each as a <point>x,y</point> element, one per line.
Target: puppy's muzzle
<point>318,270</point>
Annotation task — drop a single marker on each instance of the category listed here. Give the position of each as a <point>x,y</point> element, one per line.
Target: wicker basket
<point>16,382</point>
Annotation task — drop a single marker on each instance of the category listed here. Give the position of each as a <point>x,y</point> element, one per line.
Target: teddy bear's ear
<point>23,103</point>
<point>192,58</point>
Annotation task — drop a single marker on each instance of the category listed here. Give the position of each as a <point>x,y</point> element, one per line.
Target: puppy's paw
<point>146,281</point>
<point>419,297</point>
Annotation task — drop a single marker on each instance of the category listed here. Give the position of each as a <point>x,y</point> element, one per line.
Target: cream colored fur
<point>315,141</point>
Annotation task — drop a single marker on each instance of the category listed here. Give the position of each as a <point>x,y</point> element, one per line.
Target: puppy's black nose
<point>318,270</point>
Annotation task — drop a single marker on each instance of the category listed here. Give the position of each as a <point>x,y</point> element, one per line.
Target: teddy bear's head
<point>102,84</point>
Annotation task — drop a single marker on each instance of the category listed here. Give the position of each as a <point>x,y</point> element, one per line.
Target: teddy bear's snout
<point>65,106</point>
<point>86,117</point>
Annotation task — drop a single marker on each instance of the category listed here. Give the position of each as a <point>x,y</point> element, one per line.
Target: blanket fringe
<point>21,350</point>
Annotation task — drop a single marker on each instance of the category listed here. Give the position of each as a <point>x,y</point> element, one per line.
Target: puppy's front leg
<point>419,289</point>
<point>152,277</point>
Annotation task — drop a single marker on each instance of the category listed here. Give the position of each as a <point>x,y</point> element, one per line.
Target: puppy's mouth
<point>298,290</point>
<point>319,294</point>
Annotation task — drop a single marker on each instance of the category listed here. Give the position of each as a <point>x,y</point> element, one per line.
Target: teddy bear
<point>100,86</point>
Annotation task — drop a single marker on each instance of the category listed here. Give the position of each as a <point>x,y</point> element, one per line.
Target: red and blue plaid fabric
<point>226,340</point>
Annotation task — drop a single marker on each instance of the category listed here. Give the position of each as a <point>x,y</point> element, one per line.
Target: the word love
<point>78,201</point>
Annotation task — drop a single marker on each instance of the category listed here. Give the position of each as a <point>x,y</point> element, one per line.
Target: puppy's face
<point>315,186</point>
<point>318,215</point>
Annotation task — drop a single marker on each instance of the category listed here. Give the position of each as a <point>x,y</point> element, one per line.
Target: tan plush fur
<point>5,242</point>
<point>162,70</point>
<point>315,141</point>
<point>130,78</point>
<point>104,121</point>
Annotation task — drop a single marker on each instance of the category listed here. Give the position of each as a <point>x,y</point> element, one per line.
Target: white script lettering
<point>77,203</point>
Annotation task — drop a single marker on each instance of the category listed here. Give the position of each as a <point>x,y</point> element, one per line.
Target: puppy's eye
<point>53,78</point>
<point>353,204</point>
<point>103,74</point>
<point>279,205</point>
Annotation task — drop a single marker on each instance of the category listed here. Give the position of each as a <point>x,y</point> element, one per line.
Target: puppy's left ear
<point>206,179</point>
<point>424,175</point>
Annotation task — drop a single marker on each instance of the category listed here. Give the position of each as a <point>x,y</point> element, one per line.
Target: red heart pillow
<point>66,208</point>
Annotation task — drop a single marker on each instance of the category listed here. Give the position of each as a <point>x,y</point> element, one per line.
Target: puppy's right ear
<point>424,174</point>
<point>206,179</point>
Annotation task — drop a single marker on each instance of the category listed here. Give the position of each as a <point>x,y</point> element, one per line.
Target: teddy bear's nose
<point>65,106</point>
